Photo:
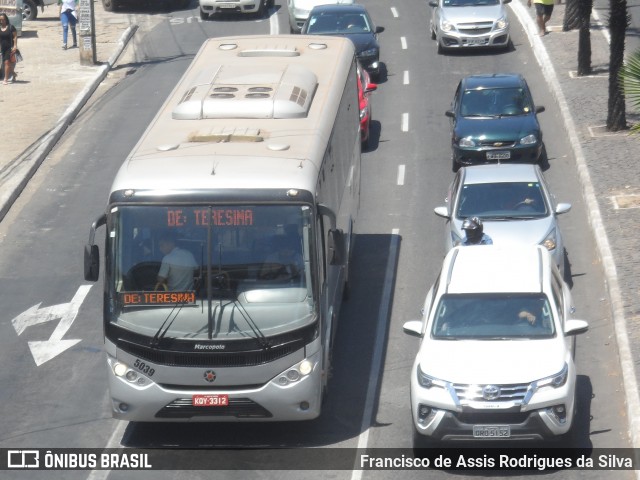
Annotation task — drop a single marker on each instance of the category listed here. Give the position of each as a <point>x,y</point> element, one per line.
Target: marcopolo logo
<point>206,346</point>
<point>23,459</point>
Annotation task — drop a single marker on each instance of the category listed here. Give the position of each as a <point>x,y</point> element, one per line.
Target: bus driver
<point>178,266</point>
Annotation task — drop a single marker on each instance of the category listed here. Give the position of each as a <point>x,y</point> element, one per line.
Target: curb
<point>20,170</point>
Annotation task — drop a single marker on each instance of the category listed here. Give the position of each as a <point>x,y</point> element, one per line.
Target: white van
<point>299,11</point>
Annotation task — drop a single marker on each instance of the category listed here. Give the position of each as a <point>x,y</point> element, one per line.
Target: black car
<point>351,21</point>
<point>493,119</point>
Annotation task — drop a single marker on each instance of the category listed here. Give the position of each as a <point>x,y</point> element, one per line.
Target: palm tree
<point>618,23</point>
<point>630,82</point>
<point>584,39</point>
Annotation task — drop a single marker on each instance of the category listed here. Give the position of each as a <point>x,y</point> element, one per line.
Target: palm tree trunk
<point>618,23</point>
<point>584,39</point>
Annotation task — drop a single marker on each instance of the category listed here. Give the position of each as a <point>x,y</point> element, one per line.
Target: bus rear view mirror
<point>336,247</point>
<point>91,263</point>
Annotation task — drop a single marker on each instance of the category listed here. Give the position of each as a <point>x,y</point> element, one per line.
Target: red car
<point>365,87</point>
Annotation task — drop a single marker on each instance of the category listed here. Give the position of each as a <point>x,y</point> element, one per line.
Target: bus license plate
<point>491,431</point>
<point>498,155</point>
<point>210,400</point>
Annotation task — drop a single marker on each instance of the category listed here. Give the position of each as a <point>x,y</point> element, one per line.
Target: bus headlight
<point>122,370</point>
<point>295,373</point>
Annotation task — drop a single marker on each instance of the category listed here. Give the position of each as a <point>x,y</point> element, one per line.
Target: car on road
<point>365,87</point>
<point>462,24</point>
<point>353,22</point>
<point>209,8</point>
<point>514,203</point>
<point>496,355</point>
<point>299,11</point>
<point>494,119</point>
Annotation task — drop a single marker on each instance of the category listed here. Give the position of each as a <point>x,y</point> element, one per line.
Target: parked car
<point>496,356</point>
<point>212,7</point>
<point>30,8</point>
<point>457,24</point>
<point>514,203</point>
<point>494,119</point>
<point>365,87</point>
<point>299,11</point>
<point>353,22</point>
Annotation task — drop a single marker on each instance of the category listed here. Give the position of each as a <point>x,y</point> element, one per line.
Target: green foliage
<point>630,80</point>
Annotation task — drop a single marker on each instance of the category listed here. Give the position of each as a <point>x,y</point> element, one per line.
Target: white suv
<point>496,359</point>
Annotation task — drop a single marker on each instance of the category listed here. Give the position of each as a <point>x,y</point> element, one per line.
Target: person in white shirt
<point>69,18</point>
<point>177,268</point>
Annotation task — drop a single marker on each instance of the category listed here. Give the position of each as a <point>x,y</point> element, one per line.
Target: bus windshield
<point>211,271</point>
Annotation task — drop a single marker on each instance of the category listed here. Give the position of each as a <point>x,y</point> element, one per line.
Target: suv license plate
<point>476,41</point>
<point>210,400</point>
<point>491,431</point>
<point>226,5</point>
<point>498,155</point>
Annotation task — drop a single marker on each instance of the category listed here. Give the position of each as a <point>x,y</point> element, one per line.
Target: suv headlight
<point>502,23</point>
<point>428,381</point>
<point>557,380</point>
<point>529,140</point>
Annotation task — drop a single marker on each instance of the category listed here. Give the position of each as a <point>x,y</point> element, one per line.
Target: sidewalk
<point>50,79</point>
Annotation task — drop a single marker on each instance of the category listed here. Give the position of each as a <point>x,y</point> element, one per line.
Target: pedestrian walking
<point>544,9</point>
<point>69,18</point>
<point>8,45</point>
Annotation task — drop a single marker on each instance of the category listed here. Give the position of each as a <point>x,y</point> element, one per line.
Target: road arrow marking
<point>43,351</point>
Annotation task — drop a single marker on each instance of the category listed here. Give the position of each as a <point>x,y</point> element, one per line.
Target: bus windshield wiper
<point>166,324</point>
<point>262,339</point>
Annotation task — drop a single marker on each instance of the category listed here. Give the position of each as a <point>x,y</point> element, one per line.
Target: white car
<point>299,11</point>
<point>514,203</point>
<point>496,358</point>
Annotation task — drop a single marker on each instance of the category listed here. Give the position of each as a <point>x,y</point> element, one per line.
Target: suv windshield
<point>201,272</point>
<point>493,317</point>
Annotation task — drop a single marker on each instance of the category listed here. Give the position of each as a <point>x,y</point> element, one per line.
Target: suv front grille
<point>474,393</point>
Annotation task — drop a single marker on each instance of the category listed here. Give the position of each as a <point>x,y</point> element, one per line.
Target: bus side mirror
<point>91,263</point>
<point>336,247</point>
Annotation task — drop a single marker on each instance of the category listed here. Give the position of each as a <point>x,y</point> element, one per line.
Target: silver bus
<point>228,234</point>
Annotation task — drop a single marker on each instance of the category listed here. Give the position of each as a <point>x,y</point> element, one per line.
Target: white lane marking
<point>405,122</point>
<point>113,442</point>
<point>405,77</point>
<point>45,350</point>
<point>394,12</point>
<point>395,231</point>
<point>403,42</point>
<point>274,26</point>
<point>401,170</point>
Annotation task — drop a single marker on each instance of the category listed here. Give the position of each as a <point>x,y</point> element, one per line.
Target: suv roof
<point>496,268</point>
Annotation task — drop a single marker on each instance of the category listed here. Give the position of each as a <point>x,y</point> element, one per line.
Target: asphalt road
<point>63,402</point>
